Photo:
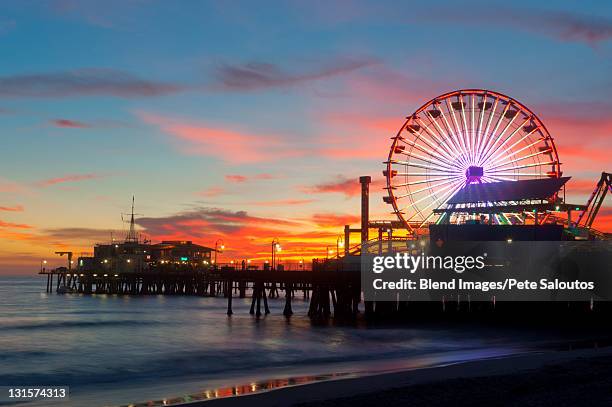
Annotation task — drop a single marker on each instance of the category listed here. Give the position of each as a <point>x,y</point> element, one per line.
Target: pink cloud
<point>232,146</point>
<point>16,208</point>
<point>350,187</point>
<point>236,178</point>
<point>70,124</point>
<point>244,178</point>
<point>351,135</point>
<point>211,192</point>
<point>67,178</point>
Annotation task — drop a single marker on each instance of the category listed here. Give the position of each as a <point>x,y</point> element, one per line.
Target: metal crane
<point>587,217</point>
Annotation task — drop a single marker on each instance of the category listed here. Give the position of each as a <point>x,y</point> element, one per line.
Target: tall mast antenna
<point>132,236</point>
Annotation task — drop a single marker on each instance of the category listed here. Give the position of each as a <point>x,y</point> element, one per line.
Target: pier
<point>331,290</point>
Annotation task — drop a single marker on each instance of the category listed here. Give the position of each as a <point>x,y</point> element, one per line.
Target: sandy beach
<point>561,378</point>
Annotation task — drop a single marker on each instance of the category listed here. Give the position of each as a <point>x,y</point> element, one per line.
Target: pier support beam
<point>288,294</point>
<point>230,285</point>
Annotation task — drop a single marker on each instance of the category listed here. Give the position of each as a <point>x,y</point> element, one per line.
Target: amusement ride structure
<point>478,157</point>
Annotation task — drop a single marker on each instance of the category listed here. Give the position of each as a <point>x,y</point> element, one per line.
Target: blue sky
<point>169,100</point>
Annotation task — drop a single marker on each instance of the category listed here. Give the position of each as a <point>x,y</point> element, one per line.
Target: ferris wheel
<point>463,137</point>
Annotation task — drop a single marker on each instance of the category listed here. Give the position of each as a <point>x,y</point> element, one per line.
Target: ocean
<point>117,350</point>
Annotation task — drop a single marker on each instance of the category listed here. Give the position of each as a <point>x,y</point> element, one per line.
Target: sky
<point>247,122</point>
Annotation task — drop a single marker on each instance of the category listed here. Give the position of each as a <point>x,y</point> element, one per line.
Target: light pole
<point>217,249</point>
<point>301,263</point>
<point>276,247</point>
<point>42,268</point>
<point>339,245</point>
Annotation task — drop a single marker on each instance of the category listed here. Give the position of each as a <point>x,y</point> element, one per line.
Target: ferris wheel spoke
<point>478,132</point>
<point>405,184</point>
<point>519,174</point>
<point>421,174</point>
<point>459,133</point>
<point>491,154</point>
<point>492,137</point>
<point>423,166</point>
<point>444,135</point>
<point>455,139</point>
<point>485,140</point>
<point>436,157</point>
<point>466,131</point>
<point>431,186</point>
<point>441,201</point>
<point>432,194</point>
<point>494,146</point>
<point>421,136</point>
<point>448,154</point>
<point>473,128</point>
<point>498,156</point>
<point>438,163</point>
<point>547,151</point>
<point>518,167</point>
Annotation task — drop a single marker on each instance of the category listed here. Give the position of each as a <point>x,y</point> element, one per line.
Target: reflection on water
<point>242,389</point>
<point>112,350</point>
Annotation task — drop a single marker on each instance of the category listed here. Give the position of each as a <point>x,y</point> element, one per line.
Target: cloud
<point>244,178</point>
<point>211,192</point>
<point>559,25</point>
<point>351,136</point>
<point>84,82</point>
<point>14,225</point>
<point>7,185</point>
<point>350,187</point>
<point>334,220</point>
<point>79,235</point>
<point>230,145</point>
<point>71,124</point>
<point>236,178</point>
<point>16,208</point>
<point>67,178</point>
<point>285,202</point>
<point>258,75</point>
<point>204,222</point>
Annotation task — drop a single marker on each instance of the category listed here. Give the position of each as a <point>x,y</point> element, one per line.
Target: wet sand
<point>560,378</point>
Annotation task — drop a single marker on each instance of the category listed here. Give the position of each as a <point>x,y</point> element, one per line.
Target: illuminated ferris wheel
<point>463,137</point>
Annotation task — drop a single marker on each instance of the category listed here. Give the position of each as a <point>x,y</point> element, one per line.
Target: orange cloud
<point>230,145</point>
<point>284,202</point>
<point>16,208</point>
<point>10,186</point>
<point>14,225</point>
<point>333,220</point>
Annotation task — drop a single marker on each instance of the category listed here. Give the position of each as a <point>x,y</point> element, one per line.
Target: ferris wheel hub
<point>474,174</point>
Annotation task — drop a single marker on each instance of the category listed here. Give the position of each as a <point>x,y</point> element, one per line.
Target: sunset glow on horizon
<point>247,123</point>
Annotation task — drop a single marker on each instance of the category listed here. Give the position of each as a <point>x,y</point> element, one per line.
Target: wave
<point>77,324</point>
<point>211,363</point>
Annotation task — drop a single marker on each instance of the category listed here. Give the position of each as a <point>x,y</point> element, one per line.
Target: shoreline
<point>455,377</point>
